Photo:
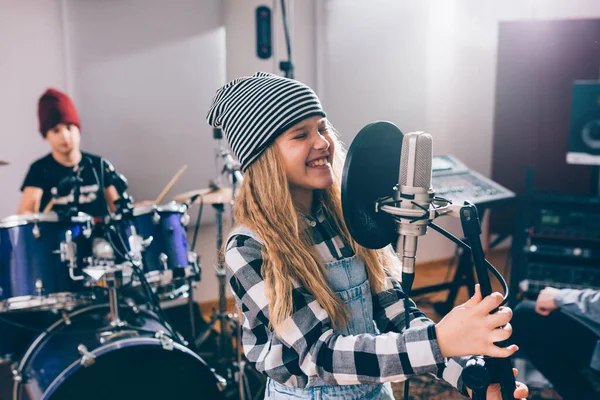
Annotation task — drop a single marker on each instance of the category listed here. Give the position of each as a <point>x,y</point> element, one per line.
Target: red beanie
<point>55,107</point>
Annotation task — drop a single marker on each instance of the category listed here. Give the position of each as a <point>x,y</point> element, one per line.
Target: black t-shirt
<point>53,178</point>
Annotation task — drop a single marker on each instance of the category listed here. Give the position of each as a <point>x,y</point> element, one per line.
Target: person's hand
<point>470,328</point>
<point>545,303</point>
<point>493,392</point>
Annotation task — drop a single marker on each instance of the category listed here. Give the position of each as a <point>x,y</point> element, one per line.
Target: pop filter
<point>371,170</point>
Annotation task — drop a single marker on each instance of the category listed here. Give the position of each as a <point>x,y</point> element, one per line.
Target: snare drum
<point>165,259</point>
<point>34,275</point>
<point>85,358</point>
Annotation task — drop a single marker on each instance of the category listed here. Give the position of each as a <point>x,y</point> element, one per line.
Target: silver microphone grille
<point>415,160</point>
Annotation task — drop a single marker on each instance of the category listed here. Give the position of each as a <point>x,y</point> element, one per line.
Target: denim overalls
<point>348,278</point>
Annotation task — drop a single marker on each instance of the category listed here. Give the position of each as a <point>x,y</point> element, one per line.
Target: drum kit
<point>80,304</point>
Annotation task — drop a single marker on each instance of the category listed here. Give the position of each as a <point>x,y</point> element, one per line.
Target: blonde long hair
<point>264,205</point>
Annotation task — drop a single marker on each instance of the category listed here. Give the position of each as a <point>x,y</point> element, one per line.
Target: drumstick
<point>49,206</point>
<point>170,185</point>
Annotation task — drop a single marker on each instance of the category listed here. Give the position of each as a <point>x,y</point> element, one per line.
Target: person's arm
<point>305,343</point>
<point>111,195</point>
<point>388,312</point>
<point>33,190</point>
<point>582,303</point>
<point>30,200</point>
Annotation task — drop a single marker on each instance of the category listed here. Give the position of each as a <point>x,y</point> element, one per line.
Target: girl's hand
<point>493,392</point>
<point>470,329</point>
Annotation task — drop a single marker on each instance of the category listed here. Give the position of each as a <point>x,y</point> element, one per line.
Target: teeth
<point>319,162</point>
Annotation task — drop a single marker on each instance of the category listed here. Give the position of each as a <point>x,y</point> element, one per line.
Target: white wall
<point>425,66</point>
<point>145,72</point>
<point>241,38</point>
<point>31,60</point>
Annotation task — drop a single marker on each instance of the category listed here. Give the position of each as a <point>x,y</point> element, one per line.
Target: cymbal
<point>3,163</point>
<point>208,196</point>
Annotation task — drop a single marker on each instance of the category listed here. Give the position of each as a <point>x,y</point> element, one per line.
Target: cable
<point>198,218</point>
<point>286,30</point>
<point>286,66</point>
<point>152,298</point>
<point>489,266</point>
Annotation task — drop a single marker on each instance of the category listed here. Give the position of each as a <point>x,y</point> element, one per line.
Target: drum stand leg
<point>113,280</point>
<point>191,307</point>
<point>221,316</point>
<point>113,302</point>
<point>233,362</point>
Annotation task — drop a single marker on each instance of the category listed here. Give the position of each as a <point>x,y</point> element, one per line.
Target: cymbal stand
<point>234,363</point>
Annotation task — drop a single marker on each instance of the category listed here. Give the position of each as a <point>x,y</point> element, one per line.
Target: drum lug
<point>36,231</point>
<point>165,341</point>
<point>87,231</point>
<point>131,304</point>
<point>185,219</point>
<point>156,218</point>
<point>221,382</point>
<point>17,377</point>
<point>87,358</point>
<point>39,287</point>
<point>164,259</point>
<point>138,244</point>
<point>194,262</point>
<point>68,250</point>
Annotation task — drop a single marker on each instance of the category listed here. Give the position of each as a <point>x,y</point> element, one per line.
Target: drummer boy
<point>50,182</point>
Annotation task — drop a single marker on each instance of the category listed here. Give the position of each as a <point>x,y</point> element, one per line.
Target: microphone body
<point>414,192</point>
<point>232,166</point>
<point>229,163</point>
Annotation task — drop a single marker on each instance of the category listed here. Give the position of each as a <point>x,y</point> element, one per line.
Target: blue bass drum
<point>83,357</point>
<point>32,274</point>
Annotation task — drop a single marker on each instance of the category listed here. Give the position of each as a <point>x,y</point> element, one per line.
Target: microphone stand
<point>481,371</point>
<point>233,364</point>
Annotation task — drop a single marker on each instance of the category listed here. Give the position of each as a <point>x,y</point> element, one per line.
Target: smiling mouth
<point>321,162</point>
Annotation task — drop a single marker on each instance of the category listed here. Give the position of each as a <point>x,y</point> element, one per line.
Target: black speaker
<point>264,47</point>
<point>584,132</point>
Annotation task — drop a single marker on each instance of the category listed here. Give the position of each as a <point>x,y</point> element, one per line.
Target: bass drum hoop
<point>18,372</point>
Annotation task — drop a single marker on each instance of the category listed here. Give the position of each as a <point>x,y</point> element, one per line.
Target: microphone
<point>414,192</point>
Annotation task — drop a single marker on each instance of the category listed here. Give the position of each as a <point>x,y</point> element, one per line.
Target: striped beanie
<point>254,110</point>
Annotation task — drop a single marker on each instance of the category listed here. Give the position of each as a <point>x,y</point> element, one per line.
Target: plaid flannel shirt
<point>306,345</point>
